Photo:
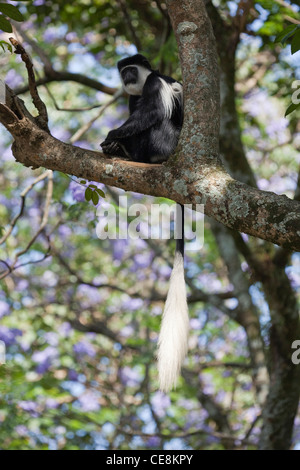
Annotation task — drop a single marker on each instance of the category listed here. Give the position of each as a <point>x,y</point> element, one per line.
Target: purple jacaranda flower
<point>195,324</point>
<point>160,402</point>
<point>142,260</point>
<point>44,359</point>
<point>64,231</point>
<point>30,406</point>
<point>21,285</point>
<point>276,128</point>
<point>22,430</point>
<point>119,249</point>
<point>65,329</point>
<point>72,375</point>
<point>51,403</point>
<point>9,335</point>
<point>4,308</point>
<point>13,79</point>
<point>89,38</point>
<point>132,304</point>
<point>60,133</point>
<point>50,34</point>
<point>127,331</point>
<point>92,294</point>
<point>51,338</point>
<point>77,191</point>
<point>153,442</point>
<point>129,376</point>
<point>71,36</point>
<point>89,401</point>
<point>83,348</point>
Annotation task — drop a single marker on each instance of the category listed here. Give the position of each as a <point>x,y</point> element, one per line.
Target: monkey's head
<point>134,72</point>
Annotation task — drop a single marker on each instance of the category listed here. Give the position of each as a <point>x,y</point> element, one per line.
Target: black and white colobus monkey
<point>150,135</point>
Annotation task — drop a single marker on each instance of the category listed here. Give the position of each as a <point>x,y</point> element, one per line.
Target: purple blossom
<point>51,403</point>
<point>50,34</point>
<point>51,338</point>
<point>21,430</point>
<point>142,260</point>
<point>89,292</point>
<point>13,79</point>
<point>22,285</point>
<point>156,310</point>
<point>60,133</point>
<point>195,324</point>
<point>195,419</point>
<point>72,375</point>
<point>9,335</point>
<point>71,36</point>
<point>77,191</point>
<point>165,271</point>
<point>44,359</point>
<point>276,128</point>
<point>160,402</point>
<point>84,144</point>
<point>127,331</point>
<point>64,231</point>
<point>4,308</point>
<point>65,329</point>
<point>30,406</point>
<point>130,377</point>
<point>132,304</point>
<point>153,442</point>
<point>6,155</point>
<point>83,348</point>
<point>119,247</point>
<point>89,401</point>
<point>88,38</point>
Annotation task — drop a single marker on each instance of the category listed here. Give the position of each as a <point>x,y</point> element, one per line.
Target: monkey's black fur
<point>152,130</point>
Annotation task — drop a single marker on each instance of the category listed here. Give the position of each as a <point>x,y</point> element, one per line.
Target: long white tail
<point>173,338</point>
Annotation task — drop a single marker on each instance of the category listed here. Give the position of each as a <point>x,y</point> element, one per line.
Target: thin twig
<point>23,201</point>
<point>38,103</point>
<point>87,126</point>
<point>44,221</point>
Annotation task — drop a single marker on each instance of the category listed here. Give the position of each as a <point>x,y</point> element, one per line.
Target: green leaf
<point>5,25</point>
<point>64,175</point>
<point>82,182</point>
<point>88,194</point>
<point>3,44</point>
<point>100,192</point>
<point>11,11</point>
<point>286,33</point>
<point>95,198</point>
<point>291,108</point>
<point>295,44</point>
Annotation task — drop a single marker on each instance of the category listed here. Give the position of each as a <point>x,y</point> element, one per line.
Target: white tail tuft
<point>173,337</point>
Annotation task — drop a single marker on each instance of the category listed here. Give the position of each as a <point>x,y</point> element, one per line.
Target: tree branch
<point>38,103</point>
<point>57,76</point>
<point>195,174</point>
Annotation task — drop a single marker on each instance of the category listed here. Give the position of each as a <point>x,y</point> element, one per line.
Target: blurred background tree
<point>80,316</point>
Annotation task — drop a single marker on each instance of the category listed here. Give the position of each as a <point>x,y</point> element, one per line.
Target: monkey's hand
<point>111,147</point>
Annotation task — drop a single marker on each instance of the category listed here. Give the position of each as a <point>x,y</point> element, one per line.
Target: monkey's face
<point>129,74</point>
<point>133,78</point>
